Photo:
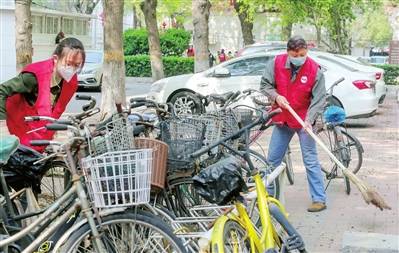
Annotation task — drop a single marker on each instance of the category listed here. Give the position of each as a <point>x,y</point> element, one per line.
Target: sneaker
<point>317,207</point>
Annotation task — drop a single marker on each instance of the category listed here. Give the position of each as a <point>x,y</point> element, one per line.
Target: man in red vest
<point>295,79</point>
<point>41,89</point>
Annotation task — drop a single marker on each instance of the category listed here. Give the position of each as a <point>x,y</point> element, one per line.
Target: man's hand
<point>281,101</point>
<point>308,127</point>
<point>4,129</point>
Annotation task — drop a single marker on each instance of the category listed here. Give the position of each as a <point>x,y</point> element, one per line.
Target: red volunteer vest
<point>17,108</point>
<point>298,93</point>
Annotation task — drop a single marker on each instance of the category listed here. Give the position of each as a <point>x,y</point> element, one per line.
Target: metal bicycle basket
<point>213,129</point>
<point>121,178</point>
<point>118,136</point>
<point>231,123</point>
<point>184,137</point>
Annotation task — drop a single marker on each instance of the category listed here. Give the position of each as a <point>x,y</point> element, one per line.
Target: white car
<point>355,94</point>
<point>92,73</point>
<point>359,63</point>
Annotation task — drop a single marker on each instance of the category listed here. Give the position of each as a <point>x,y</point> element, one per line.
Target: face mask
<point>67,72</point>
<point>298,61</point>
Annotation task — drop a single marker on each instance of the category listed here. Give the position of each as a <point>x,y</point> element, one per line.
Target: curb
<point>142,80</point>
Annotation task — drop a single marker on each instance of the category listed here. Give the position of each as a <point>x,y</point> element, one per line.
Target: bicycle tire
<point>56,180</point>
<point>151,231</point>
<point>289,170</point>
<point>232,238</point>
<point>263,165</point>
<point>353,145</point>
<point>185,196</point>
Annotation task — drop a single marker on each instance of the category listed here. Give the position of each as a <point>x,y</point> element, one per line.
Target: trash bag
<point>221,182</point>
<point>20,171</point>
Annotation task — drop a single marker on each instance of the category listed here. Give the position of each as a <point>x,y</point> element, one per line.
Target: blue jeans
<point>279,142</point>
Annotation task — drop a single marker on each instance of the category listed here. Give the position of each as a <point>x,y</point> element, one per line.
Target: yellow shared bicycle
<point>258,225</point>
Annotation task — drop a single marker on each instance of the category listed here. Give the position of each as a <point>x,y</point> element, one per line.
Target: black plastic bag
<point>221,182</point>
<point>20,170</point>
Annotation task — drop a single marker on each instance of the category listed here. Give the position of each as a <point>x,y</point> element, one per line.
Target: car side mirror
<point>221,72</point>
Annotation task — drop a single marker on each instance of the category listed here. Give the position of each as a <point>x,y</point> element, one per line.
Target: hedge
<point>140,66</point>
<point>391,75</point>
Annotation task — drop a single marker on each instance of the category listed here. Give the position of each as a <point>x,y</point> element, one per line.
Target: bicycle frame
<point>81,204</point>
<point>268,234</point>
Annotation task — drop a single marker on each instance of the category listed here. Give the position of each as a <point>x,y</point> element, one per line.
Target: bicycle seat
<point>8,145</point>
<point>221,98</point>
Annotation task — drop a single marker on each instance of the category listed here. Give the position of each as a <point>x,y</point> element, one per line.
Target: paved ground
<point>349,214</point>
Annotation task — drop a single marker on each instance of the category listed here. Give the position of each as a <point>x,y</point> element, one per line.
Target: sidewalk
<point>348,221</point>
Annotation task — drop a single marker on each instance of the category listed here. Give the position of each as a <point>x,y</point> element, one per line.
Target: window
<point>249,67</point>
<point>52,25</point>
<point>81,27</point>
<point>67,26</point>
<point>37,24</point>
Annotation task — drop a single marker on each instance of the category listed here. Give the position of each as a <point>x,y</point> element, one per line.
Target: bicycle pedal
<point>294,242</point>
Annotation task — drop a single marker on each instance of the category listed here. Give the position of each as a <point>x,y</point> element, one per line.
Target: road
<point>132,90</point>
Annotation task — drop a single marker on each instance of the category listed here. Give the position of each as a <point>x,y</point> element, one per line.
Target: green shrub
<point>135,42</point>
<point>391,75</point>
<point>140,66</point>
<point>173,42</point>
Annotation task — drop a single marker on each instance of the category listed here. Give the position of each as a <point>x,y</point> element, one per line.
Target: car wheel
<point>185,102</point>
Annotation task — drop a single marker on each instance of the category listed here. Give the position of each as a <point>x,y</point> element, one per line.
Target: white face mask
<point>67,72</point>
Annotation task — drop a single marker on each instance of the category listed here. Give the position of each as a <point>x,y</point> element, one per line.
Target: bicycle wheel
<point>289,170</point>
<point>232,238</point>
<point>55,181</point>
<point>264,168</point>
<point>353,147</point>
<point>185,196</point>
<point>137,231</point>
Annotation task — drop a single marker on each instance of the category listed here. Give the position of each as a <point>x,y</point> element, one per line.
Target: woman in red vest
<point>42,88</point>
<point>295,79</point>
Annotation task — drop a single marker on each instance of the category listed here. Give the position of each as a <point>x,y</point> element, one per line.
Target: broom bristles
<point>368,193</point>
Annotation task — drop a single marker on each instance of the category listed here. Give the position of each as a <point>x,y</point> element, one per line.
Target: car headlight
<point>88,71</point>
<point>157,87</point>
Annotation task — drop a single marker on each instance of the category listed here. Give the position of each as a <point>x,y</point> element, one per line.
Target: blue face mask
<point>298,61</point>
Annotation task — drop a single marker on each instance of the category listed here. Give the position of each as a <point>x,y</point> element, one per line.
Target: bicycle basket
<point>221,182</point>
<point>119,136</point>
<point>264,99</point>
<point>121,178</point>
<point>213,128</point>
<point>231,123</point>
<point>183,137</point>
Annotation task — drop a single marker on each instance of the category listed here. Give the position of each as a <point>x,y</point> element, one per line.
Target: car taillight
<point>363,84</point>
<point>378,76</point>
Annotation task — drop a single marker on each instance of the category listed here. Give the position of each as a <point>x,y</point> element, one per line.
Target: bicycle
<point>342,144</point>
<point>62,222</point>
<point>234,231</point>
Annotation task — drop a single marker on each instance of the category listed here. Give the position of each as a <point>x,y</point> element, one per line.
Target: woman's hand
<point>308,127</point>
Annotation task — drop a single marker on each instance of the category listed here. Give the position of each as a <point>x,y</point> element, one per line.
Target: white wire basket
<point>119,136</point>
<point>120,178</point>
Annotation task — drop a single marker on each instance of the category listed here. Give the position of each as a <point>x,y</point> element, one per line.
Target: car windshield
<point>94,57</point>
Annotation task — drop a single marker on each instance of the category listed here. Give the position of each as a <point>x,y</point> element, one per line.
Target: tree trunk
<point>23,34</point>
<point>149,8</point>
<point>113,80</point>
<point>246,26</point>
<point>286,32</point>
<point>201,11</point>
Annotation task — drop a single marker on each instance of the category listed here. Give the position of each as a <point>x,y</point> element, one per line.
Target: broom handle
<point>288,107</point>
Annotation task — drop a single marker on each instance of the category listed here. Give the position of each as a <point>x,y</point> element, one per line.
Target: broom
<point>368,193</point>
